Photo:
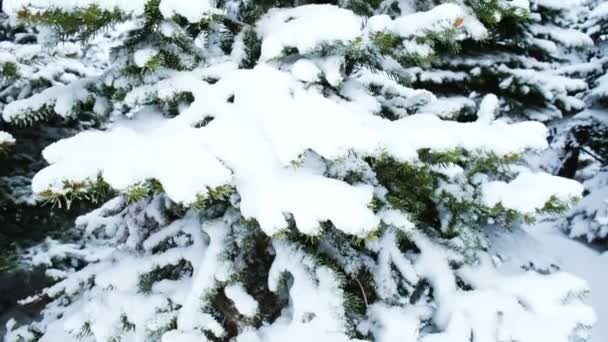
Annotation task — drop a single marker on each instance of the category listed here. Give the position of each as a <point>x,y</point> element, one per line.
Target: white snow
<point>305,70</point>
<point>529,191</point>
<point>589,218</point>
<point>559,4</point>
<point>440,18</point>
<point>394,323</point>
<point>600,11</point>
<point>6,139</point>
<point>396,218</point>
<point>140,148</point>
<point>128,6</point>
<point>582,261</point>
<point>284,141</point>
<point>567,37</point>
<point>488,108</point>
<point>316,310</point>
<point>253,141</point>
<point>194,11</point>
<point>243,302</point>
<point>143,56</point>
<point>61,99</point>
<point>502,305</point>
<point>306,28</point>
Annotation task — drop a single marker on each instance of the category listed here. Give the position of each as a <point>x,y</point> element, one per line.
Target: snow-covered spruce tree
<point>581,142</point>
<point>278,180</point>
<point>33,62</point>
<point>532,55</point>
<point>33,66</point>
<point>545,61</point>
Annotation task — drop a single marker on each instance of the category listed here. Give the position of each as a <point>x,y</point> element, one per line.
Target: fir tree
<point>287,170</point>
<point>582,141</point>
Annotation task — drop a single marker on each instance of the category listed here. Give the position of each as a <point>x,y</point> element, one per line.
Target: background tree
<point>582,141</point>
<point>32,62</point>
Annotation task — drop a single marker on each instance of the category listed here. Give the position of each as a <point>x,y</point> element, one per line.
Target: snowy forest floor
<point>579,259</point>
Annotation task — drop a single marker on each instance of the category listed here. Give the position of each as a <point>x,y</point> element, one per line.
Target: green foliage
<point>94,191</point>
<point>591,137</point>
<point>253,48</point>
<point>140,191</point>
<point>456,156</point>
<point>136,193</point>
<point>172,272</point>
<point>417,189</point>
<point>491,163</point>
<point>364,7</point>
<point>251,11</point>
<point>442,41</point>
<point>176,51</point>
<point>4,148</point>
<point>81,108</point>
<point>32,116</point>
<point>494,12</point>
<point>152,14</point>
<point>218,194</point>
<point>414,188</point>
<point>81,23</point>
<point>9,71</point>
<point>85,331</point>
<point>555,206</point>
<point>126,327</point>
<point>172,106</point>
<point>410,187</point>
<point>385,41</point>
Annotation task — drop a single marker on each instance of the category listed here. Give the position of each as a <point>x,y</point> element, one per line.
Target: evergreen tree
<point>32,62</point>
<point>27,67</point>
<point>306,170</point>
<point>583,140</point>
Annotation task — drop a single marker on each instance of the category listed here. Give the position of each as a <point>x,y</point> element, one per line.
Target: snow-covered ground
<point>577,258</point>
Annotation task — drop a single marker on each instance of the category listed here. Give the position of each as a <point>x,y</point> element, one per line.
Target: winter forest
<point>304,170</point>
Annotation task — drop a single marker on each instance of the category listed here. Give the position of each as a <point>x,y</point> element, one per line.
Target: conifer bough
<point>281,173</point>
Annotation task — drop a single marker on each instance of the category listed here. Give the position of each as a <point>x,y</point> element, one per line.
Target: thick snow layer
<point>600,91</point>
<point>529,191</point>
<point>305,70</point>
<point>559,4</point>
<point>243,302</point>
<point>580,260</point>
<point>502,305</point>
<point>120,271</point>
<point>60,99</point>
<point>488,108</point>
<point>6,139</point>
<point>194,11</point>
<point>589,218</point>
<point>394,323</point>
<point>140,149</point>
<point>316,311</point>
<point>6,57</point>
<point>390,258</point>
<point>128,6</point>
<point>306,28</point>
<point>567,37</point>
<point>599,12</point>
<point>439,18</point>
<point>264,121</point>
